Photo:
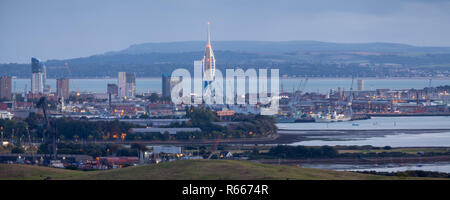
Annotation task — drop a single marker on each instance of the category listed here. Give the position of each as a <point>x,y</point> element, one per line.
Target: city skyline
<point>88,28</point>
<point>301,90</point>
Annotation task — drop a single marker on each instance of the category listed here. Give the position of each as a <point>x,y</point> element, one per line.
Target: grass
<point>190,170</point>
<point>29,172</point>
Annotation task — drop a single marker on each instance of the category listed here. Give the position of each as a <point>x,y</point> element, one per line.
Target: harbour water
<point>321,85</point>
<point>441,139</point>
<point>376,123</point>
<point>434,167</point>
<point>432,131</point>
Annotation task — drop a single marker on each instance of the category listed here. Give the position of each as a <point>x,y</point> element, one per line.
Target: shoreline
<point>283,138</point>
<point>353,161</point>
<point>315,78</point>
<point>407,114</point>
<point>357,130</point>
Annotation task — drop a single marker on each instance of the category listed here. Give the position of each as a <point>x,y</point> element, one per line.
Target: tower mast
<point>209,65</point>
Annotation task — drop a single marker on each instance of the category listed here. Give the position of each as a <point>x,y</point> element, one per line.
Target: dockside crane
<point>214,148</point>
<point>304,85</point>
<point>350,99</point>
<point>25,97</point>
<point>76,89</point>
<point>31,145</point>
<point>48,129</point>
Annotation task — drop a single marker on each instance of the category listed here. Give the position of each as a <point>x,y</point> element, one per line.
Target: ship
<point>331,117</point>
<point>285,119</point>
<point>302,119</point>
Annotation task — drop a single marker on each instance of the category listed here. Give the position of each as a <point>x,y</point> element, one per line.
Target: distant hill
<point>299,58</point>
<point>276,47</point>
<point>189,170</point>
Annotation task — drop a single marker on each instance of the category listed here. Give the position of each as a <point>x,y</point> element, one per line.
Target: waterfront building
<point>168,82</point>
<point>62,88</point>
<point>37,76</point>
<point>127,85</point>
<point>360,85</point>
<point>6,115</point>
<point>164,130</point>
<point>112,89</point>
<point>166,149</point>
<point>44,79</point>
<point>5,88</point>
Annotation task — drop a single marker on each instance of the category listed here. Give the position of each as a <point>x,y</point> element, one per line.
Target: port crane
<point>76,89</point>
<point>48,129</point>
<point>25,98</point>
<point>304,85</point>
<point>214,148</point>
<point>14,95</point>
<point>31,145</point>
<point>350,99</point>
<point>429,92</point>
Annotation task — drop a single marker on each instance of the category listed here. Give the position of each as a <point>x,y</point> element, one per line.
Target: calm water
<point>376,123</point>
<point>436,167</point>
<point>322,85</point>
<point>398,140</point>
<point>393,131</point>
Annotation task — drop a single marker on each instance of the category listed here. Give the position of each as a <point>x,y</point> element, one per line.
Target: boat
<point>331,117</point>
<point>285,119</point>
<point>305,120</point>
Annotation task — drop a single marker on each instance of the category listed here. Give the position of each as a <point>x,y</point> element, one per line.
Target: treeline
<point>248,126</point>
<point>303,152</point>
<point>285,151</point>
<point>66,128</point>
<point>85,130</point>
<point>13,129</point>
<point>94,150</point>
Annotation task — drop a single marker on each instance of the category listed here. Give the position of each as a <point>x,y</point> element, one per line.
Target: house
<point>118,162</point>
<point>5,114</point>
<point>225,155</point>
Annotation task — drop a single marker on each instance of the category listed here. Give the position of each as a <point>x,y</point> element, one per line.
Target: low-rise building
<point>164,130</point>
<point>5,114</point>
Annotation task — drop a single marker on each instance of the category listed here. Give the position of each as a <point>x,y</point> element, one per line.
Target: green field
<point>187,170</point>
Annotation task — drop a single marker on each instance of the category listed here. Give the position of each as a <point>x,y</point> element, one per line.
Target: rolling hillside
<point>187,170</point>
<point>276,47</point>
<point>300,58</point>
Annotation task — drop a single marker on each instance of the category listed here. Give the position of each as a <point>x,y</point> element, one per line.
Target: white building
<point>38,74</point>
<point>166,149</point>
<point>127,85</point>
<point>37,85</point>
<point>6,115</point>
<point>360,85</point>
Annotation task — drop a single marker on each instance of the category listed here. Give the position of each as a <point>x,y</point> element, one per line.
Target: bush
<point>303,152</point>
<point>72,167</point>
<point>17,150</point>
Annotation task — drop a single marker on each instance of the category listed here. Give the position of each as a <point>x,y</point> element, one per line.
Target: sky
<point>61,29</point>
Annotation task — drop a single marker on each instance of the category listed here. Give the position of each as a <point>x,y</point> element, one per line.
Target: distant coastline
<point>298,77</point>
